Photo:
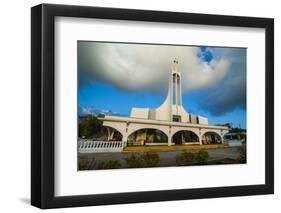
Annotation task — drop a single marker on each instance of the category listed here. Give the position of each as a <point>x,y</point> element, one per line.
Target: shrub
<point>84,165</point>
<point>242,154</point>
<point>185,159</point>
<point>110,164</point>
<point>134,161</point>
<point>141,161</point>
<point>150,159</point>
<point>202,157</point>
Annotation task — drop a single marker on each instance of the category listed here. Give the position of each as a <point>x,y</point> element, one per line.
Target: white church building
<point>169,119</point>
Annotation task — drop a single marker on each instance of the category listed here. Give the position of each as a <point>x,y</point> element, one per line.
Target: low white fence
<point>89,146</point>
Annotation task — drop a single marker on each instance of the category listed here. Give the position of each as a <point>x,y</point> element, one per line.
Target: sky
<point>120,76</point>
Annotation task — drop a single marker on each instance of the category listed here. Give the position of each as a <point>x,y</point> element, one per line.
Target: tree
<point>89,125</point>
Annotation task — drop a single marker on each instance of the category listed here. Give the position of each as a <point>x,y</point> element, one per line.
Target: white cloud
<point>134,67</point>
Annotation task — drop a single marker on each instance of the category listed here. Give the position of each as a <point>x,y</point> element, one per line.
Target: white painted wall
<point>140,113</point>
<point>15,106</point>
<point>202,120</point>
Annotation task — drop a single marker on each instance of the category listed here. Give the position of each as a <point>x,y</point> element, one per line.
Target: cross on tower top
<point>176,61</point>
<point>175,65</point>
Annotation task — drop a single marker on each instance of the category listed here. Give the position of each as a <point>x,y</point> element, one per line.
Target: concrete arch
<point>174,130</point>
<point>185,129</point>
<point>121,127</point>
<point>148,128</point>
<point>147,135</point>
<point>180,137</point>
<point>213,139</point>
<point>204,131</point>
<point>135,127</point>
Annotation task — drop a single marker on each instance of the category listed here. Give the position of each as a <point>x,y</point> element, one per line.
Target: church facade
<point>170,119</point>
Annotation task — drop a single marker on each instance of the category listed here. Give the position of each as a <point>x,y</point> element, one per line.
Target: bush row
<point>150,159</point>
<point>134,161</point>
<point>144,160</point>
<point>192,158</point>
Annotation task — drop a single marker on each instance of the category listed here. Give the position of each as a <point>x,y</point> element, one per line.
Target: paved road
<point>167,158</point>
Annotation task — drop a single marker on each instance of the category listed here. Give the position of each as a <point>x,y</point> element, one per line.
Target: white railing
<point>89,146</point>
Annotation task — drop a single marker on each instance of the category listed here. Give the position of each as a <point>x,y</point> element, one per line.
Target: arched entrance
<point>211,138</point>
<point>147,136</point>
<point>185,137</point>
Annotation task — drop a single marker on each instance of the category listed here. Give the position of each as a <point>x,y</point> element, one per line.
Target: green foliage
<point>150,159</point>
<point>134,161</point>
<point>202,157</point>
<point>242,154</point>
<point>185,159</point>
<point>236,130</point>
<point>88,126</point>
<point>145,160</point>
<point>84,165</point>
<point>190,158</point>
<point>110,164</point>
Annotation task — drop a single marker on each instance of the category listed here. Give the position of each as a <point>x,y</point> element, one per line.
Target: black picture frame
<point>43,105</point>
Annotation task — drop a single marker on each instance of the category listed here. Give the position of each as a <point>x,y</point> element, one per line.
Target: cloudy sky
<point>118,76</point>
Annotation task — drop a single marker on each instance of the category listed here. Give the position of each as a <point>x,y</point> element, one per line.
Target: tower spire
<point>176,84</point>
<point>175,65</point>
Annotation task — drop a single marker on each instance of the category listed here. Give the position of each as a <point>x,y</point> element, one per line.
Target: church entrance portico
<point>144,132</point>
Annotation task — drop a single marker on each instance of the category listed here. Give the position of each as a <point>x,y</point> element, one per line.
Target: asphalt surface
<point>167,158</point>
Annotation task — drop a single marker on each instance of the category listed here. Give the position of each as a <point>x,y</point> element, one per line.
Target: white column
<point>125,139</point>
<point>169,140</point>
<point>200,139</point>
<point>111,135</point>
<point>108,133</point>
<point>222,139</point>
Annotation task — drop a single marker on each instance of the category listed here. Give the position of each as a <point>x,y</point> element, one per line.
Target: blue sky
<point>215,86</point>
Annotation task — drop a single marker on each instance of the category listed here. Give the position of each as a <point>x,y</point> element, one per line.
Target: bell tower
<point>176,84</point>
<point>171,109</point>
